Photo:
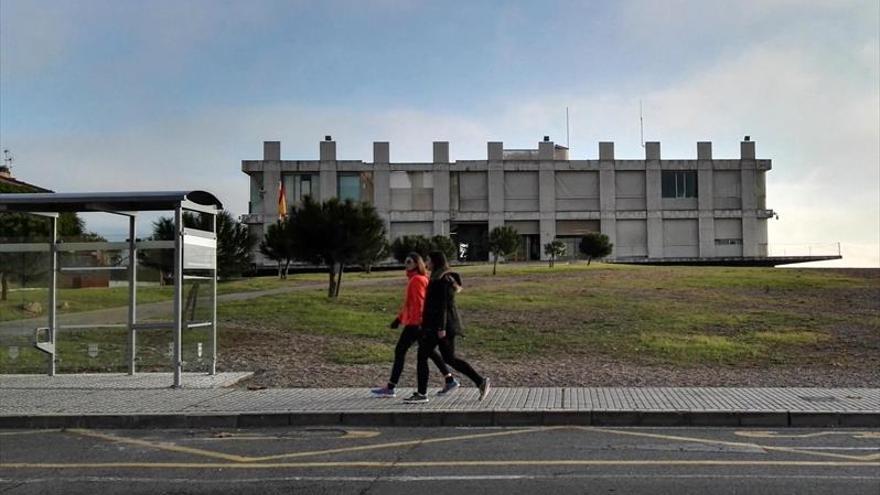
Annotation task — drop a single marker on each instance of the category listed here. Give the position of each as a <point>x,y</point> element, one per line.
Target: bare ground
<point>295,360</point>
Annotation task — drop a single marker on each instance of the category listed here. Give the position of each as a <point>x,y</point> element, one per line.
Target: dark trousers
<point>408,337</point>
<point>428,345</point>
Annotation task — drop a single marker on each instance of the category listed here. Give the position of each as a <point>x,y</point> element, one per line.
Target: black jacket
<point>440,311</point>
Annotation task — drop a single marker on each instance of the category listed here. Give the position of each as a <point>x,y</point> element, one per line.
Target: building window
<point>256,199</point>
<point>412,191</point>
<point>349,187</point>
<point>299,186</point>
<point>679,183</point>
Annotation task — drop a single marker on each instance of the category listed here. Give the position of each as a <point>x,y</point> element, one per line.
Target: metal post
<point>132,294</point>
<point>178,293</point>
<point>214,305</point>
<point>53,288</point>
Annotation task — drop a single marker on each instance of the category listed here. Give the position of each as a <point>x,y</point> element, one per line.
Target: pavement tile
<point>144,399</point>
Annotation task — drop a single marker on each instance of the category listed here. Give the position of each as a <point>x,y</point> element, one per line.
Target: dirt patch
<point>285,359</point>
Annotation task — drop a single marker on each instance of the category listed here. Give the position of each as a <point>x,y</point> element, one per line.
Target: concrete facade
<point>650,208</point>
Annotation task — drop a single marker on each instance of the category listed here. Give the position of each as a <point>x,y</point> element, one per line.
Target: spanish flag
<point>282,200</point>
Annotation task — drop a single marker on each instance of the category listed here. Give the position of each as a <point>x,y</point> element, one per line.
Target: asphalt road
<point>441,460</point>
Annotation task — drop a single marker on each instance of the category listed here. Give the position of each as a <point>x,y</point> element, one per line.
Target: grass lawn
<point>679,316</point>
<point>676,315</point>
<point>90,299</point>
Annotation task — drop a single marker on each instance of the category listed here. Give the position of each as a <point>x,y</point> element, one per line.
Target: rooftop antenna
<point>641,125</point>
<point>567,144</point>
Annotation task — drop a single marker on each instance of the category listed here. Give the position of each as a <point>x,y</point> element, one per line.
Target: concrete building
<point>652,209</point>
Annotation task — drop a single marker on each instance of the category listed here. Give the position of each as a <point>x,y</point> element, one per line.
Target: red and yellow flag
<point>282,201</point>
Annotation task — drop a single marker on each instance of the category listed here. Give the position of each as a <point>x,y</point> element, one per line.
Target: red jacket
<point>414,302</point>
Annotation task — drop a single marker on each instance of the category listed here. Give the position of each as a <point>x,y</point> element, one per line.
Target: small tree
<point>161,260</point>
<point>446,246</point>
<point>370,258</point>
<point>277,246</point>
<point>21,227</point>
<point>595,245</point>
<point>402,246</point>
<point>554,250</point>
<point>503,241</point>
<point>234,244</point>
<point>335,234</point>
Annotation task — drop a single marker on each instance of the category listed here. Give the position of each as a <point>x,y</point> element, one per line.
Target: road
<point>441,460</point>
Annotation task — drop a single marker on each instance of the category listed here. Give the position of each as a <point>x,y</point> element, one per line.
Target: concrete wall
<point>552,195</point>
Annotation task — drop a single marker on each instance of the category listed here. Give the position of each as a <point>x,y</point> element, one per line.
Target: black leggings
<point>408,337</point>
<point>428,345</point>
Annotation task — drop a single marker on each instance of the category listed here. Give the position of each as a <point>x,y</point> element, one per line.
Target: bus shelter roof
<point>106,201</point>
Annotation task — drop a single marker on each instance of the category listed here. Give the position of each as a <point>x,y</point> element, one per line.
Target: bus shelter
<point>194,255</point>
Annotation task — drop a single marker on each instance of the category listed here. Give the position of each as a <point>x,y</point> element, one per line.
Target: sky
<point>132,95</point>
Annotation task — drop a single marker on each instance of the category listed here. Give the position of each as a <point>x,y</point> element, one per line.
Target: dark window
<point>349,187</point>
<point>679,183</point>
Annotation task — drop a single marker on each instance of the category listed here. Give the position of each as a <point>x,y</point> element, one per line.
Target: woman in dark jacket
<point>410,316</point>
<point>440,324</point>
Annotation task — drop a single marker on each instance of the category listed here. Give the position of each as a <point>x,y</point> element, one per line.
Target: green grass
<point>89,299</point>
<point>651,315</point>
<point>698,348</point>
<point>790,337</point>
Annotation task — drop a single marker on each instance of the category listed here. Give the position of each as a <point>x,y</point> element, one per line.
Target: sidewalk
<point>120,401</point>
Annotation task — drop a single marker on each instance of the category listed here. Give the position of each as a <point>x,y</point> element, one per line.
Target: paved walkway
<point>145,400</point>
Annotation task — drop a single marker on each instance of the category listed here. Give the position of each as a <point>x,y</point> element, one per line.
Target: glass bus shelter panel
<point>92,350</point>
<point>198,298</point>
<point>25,309</point>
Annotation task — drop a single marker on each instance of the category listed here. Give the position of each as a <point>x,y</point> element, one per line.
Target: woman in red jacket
<point>411,317</point>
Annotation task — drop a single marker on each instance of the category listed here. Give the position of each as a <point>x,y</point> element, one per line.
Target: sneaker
<point>449,387</point>
<point>383,392</point>
<point>484,388</point>
<point>416,398</point>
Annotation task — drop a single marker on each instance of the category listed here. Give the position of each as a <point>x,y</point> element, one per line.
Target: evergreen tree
<point>595,245</point>
<point>503,241</point>
<point>554,250</point>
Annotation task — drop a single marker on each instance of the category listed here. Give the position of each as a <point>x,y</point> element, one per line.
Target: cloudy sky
<point>124,95</point>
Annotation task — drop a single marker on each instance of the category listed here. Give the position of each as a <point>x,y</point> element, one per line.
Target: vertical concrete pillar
<point>546,194</point>
<point>653,203</point>
<point>328,168</point>
<point>607,192</point>
<point>750,235</point>
<point>704,150</point>
<point>748,184</point>
<point>271,185</point>
<point>547,229</point>
<point>496,184</point>
<point>441,152</point>
<point>382,183</point>
<point>271,150</point>
<point>705,202</point>
<point>271,181</point>
<point>441,188</point>
<point>652,150</point>
<point>381,152</point>
<point>545,150</point>
<point>761,237</point>
<point>747,150</point>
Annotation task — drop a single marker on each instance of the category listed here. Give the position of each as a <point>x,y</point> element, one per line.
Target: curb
<point>454,418</point>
